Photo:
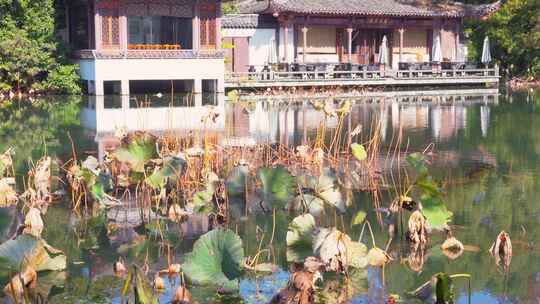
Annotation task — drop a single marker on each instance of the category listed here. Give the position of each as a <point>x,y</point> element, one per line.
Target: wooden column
<point>196,26</point>
<point>218,25</point>
<point>401,31</point>
<point>285,41</point>
<point>349,43</point>
<point>304,43</point>
<point>456,33</point>
<point>123,29</point>
<point>97,27</point>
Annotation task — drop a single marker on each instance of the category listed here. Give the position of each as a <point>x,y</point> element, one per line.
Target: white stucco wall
<point>124,70</point>
<point>159,69</point>
<point>107,120</point>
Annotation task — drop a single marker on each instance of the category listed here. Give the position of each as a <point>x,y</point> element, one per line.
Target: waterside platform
<point>377,78</point>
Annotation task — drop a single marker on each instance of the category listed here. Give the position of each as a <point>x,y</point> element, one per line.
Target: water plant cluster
<point>148,185</point>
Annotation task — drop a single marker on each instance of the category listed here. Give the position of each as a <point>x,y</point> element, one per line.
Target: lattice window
<point>208,13</point>
<point>110,28</point>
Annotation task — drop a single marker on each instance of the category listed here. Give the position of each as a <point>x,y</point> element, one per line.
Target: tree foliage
<point>514,33</point>
<point>30,55</point>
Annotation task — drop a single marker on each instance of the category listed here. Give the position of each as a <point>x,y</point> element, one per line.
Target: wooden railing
<point>332,76</point>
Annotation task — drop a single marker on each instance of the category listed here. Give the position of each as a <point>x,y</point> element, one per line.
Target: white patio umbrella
<point>486,53</point>
<point>436,54</point>
<point>383,51</point>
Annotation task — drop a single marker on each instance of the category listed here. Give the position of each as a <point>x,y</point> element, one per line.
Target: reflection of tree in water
<point>504,196</point>
<point>39,126</point>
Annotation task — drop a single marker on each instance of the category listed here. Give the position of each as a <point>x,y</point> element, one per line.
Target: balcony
<point>149,54</point>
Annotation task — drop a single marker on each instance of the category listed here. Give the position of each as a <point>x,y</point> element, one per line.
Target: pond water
<point>485,151</point>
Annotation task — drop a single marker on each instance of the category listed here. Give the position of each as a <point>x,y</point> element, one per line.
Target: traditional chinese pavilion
<point>346,31</point>
<point>126,46</point>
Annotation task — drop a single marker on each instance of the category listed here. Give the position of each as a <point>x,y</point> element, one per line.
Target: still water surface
<point>486,152</point>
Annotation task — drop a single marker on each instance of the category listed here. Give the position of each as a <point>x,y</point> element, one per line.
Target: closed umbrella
<point>436,54</point>
<point>486,53</point>
<point>383,52</point>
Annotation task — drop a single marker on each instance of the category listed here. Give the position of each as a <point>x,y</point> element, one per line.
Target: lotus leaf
<point>102,183</point>
<point>358,151</point>
<point>324,188</point>
<point>314,205</point>
<point>277,186</point>
<point>91,163</point>
<point>377,257</point>
<point>31,251</point>
<point>359,218</point>
<point>434,209</point>
<point>33,222</point>
<point>137,153</point>
<point>337,250</point>
<point>216,259</point>
<point>417,162</point>
<point>8,196</point>
<point>172,167</point>
<point>301,230</point>
<point>236,181</point>
<point>202,201</point>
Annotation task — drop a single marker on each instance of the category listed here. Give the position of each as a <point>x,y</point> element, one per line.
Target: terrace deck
<point>477,77</point>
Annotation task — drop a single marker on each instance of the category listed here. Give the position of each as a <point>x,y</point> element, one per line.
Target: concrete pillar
<point>220,85</point>
<point>304,41</point>
<point>286,42</point>
<point>124,87</point>
<point>197,86</point>
<point>98,87</point>
<point>125,101</point>
<point>401,32</point>
<point>197,98</point>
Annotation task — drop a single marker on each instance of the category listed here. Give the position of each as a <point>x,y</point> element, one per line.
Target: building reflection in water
<point>255,122</point>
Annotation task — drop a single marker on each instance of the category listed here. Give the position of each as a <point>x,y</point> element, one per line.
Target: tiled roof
<point>240,21</point>
<point>391,8</point>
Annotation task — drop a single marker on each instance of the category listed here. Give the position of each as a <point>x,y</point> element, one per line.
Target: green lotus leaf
<point>216,259</point>
<point>358,218</point>
<point>358,151</point>
<point>314,205</point>
<point>278,186</point>
<point>301,230</point>
<point>202,201</point>
<point>434,209</point>
<point>27,250</point>
<point>236,181</point>
<point>137,153</point>
<point>172,167</point>
<point>333,197</point>
<point>418,163</point>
